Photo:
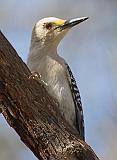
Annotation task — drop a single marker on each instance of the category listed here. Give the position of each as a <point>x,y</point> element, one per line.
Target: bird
<point>56,74</point>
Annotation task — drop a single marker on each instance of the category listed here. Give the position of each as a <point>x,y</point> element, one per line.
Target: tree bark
<point>29,109</point>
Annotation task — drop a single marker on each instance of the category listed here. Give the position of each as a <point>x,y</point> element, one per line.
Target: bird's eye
<point>48,26</point>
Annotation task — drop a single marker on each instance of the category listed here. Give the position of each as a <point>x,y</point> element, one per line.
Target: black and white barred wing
<point>77,102</point>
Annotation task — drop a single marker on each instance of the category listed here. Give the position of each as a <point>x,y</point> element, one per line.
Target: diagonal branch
<point>33,114</point>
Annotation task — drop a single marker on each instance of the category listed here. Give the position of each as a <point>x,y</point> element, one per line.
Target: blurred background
<point>90,50</point>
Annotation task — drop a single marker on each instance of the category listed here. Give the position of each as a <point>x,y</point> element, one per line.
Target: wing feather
<point>77,102</point>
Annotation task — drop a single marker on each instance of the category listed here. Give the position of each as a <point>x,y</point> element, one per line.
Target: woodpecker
<point>55,72</point>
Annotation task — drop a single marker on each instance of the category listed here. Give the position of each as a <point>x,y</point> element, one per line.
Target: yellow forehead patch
<point>59,22</point>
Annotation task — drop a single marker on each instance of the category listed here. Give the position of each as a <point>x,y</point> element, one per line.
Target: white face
<point>48,31</point>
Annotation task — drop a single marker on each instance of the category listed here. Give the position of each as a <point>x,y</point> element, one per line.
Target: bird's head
<point>49,31</point>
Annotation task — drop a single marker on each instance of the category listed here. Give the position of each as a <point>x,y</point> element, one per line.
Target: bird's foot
<point>37,76</point>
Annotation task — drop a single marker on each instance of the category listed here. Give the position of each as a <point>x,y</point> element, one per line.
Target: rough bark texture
<point>33,114</point>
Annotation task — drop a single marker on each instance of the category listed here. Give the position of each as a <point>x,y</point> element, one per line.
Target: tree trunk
<point>29,109</point>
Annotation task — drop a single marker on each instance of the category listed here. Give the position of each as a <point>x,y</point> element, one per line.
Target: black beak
<point>72,22</point>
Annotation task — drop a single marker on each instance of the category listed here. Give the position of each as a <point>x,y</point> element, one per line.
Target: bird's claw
<point>37,76</point>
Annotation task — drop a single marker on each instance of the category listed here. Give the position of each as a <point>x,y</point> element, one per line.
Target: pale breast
<point>54,74</point>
